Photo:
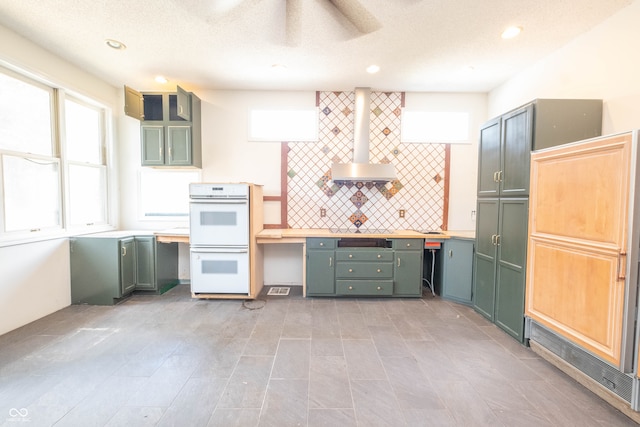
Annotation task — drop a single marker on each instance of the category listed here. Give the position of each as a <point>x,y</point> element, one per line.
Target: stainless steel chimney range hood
<point>360,170</point>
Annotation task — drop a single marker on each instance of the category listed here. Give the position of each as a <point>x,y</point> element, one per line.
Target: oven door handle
<point>219,250</point>
<point>219,201</point>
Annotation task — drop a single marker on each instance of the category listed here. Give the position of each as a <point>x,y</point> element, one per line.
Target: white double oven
<point>219,238</point>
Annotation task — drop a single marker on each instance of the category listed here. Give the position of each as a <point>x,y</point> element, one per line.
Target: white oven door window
<point>219,223</point>
<point>218,271</point>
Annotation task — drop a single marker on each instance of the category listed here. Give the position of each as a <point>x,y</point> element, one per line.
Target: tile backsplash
<point>419,194</point>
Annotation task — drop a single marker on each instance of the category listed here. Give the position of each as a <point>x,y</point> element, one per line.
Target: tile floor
<point>281,361</point>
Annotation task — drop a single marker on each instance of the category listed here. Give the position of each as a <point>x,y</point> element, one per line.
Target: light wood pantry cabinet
<point>170,127</point>
<point>505,147</point>
<point>583,245</point>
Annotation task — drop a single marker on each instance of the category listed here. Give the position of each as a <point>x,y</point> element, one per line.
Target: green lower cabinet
<point>127,266</point>
<point>145,256</point>
<point>106,269</point>
<point>103,269</point>
<point>320,277</point>
<point>320,272</point>
<point>364,271</point>
<point>500,261</point>
<point>364,288</point>
<point>407,275</point>
<point>456,269</point>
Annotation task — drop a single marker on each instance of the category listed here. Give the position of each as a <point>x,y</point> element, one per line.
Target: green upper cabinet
<point>170,130</point>
<point>489,158</point>
<point>506,142</point>
<point>503,162</point>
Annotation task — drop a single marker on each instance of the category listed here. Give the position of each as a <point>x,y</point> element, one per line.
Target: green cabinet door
<point>146,265</point>
<point>127,265</point>
<point>457,270</point>
<point>407,275</point>
<point>320,272</point>
<point>485,256</point>
<point>152,143</point>
<point>489,158</point>
<point>511,263</point>
<point>516,152</point>
<point>179,145</point>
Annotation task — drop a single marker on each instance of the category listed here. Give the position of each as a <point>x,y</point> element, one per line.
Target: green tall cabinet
<point>505,146</point>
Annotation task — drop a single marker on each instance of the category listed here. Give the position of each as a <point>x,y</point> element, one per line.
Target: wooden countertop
<point>298,235</point>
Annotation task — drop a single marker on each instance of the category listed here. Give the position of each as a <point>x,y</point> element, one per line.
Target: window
<point>299,125</point>
<point>164,194</point>
<point>50,181</point>
<point>434,127</point>
<point>87,173</point>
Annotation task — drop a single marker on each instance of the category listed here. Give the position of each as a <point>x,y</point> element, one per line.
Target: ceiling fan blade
<point>357,15</point>
<point>293,22</point>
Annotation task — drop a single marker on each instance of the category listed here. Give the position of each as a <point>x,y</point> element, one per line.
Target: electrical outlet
<point>401,212</point>
<point>323,213</point>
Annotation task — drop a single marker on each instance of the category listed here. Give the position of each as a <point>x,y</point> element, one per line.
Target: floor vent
<point>605,374</point>
<point>275,290</point>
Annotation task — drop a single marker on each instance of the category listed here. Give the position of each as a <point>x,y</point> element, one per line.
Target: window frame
<point>58,95</point>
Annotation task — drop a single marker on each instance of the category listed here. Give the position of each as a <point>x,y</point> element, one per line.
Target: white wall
<point>35,277</point>
<point>464,157</point>
<point>602,64</point>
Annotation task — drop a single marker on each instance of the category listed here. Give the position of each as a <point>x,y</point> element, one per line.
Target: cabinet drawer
<point>320,243</point>
<point>364,287</point>
<point>362,255</point>
<point>359,270</point>
<point>408,244</point>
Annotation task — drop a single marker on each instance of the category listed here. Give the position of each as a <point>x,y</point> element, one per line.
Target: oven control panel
<point>204,190</point>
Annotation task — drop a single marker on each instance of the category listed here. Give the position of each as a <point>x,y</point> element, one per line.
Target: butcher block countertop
<point>298,235</point>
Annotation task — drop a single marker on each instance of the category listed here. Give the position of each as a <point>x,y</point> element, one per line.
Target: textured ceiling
<point>420,45</point>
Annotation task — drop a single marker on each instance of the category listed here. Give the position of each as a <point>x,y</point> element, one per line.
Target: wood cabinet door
<point>578,220</point>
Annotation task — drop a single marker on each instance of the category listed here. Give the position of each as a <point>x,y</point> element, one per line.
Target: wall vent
<point>603,373</point>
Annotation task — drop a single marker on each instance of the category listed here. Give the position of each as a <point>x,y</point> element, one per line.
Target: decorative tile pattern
<point>419,189</point>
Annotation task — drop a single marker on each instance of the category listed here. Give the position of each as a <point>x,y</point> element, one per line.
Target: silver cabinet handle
<point>321,243</point>
<point>124,251</point>
<point>379,256</point>
<point>450,253</point>
<point>330,261</point>
<point>379,270</point>
<point>379,288</point>
<point>350,256</point>
<point>497,240</point>
<point>398,261</point>
<point>350,270</point>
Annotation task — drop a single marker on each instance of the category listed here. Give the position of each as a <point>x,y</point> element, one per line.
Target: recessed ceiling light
<point>115,44</point>
<point>278,67</point>
<point>511,32</point>
<point>160,79</point>
<point>373,68</point>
